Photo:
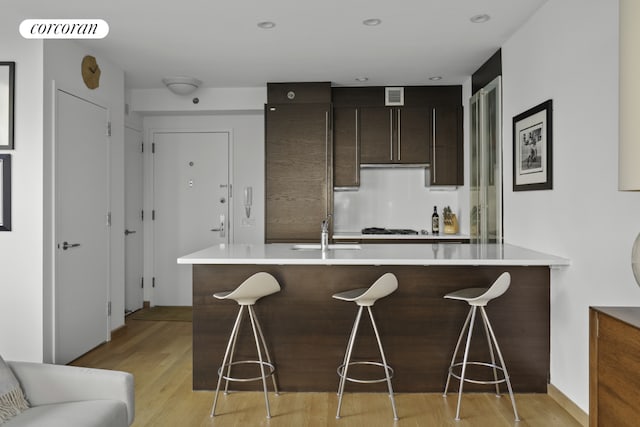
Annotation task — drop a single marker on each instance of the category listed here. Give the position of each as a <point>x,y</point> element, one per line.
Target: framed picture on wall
<point>5,192</point>
<point>532,148</point>
<point>7,83</point>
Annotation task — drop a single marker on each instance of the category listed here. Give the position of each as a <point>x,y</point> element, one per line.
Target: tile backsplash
<point>391,198</point>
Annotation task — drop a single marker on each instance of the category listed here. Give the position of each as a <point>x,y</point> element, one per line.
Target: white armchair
<point>70,396</point>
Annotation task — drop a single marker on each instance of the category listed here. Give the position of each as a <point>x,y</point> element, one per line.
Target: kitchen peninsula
<point>307,330</point>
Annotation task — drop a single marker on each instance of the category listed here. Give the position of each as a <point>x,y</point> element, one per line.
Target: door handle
<point>127,232</point>
<point>221,228</point>
<point>67,245</point>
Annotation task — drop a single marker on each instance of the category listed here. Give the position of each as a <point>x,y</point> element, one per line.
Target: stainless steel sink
<point>316,247</point>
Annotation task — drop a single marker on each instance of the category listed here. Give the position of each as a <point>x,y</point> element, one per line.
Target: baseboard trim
<point>568,405</point>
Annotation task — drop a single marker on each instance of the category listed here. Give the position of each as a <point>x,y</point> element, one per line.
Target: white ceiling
<point>218,41</point>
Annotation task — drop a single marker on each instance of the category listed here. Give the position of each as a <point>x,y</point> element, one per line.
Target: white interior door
<point>133,240</point>
<point>81,290</point>
<point>191,204</point>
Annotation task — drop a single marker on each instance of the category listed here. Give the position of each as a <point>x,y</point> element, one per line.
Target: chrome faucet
<point>324,234</point>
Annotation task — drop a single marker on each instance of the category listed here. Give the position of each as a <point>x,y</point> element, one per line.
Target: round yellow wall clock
<point>90,72</point>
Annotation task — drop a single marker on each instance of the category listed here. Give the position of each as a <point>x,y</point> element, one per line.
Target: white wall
<point>62,59</point>
<point>568,52</point>
<point>21,294</point>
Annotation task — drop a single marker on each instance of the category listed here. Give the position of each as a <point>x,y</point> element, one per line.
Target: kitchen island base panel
<point>306,329</point>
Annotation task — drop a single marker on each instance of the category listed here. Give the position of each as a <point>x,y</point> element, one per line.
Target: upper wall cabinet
<point>395,135</point>
<point>346,147</point>
<point>426,130</point>
<point>447,161</point>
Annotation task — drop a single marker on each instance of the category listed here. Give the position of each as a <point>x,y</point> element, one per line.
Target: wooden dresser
<point>614,366</point>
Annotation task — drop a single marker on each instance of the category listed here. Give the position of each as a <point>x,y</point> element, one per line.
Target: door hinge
<point>153,148</point>
<point>108,219</point>
<point>108,128</point>
<point>142,282</point>
<point>153,282</point>
<point>153,215</point>
<point>109,308</point>
<point>142,215</point>
<point>142,147</point>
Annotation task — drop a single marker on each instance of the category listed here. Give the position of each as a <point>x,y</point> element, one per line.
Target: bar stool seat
<point>251,290</point>
<point>366,297</point>
<point>479,298</point>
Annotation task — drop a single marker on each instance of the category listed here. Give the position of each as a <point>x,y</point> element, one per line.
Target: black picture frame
<point>5,192</point>
<point>7,99</point>
<point>533,148</point>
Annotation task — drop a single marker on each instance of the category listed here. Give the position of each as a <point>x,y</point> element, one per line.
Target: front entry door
<point>81,289</point>
<point>191,203</point>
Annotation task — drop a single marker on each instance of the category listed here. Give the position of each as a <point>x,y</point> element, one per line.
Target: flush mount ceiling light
<point>480,19</point>
<point>362,79</point>
<point>181,85</point>
<point>266,25</point>
<point>435,78</point>
<point>372,22</point>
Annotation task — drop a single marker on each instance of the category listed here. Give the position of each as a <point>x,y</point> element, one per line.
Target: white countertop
<point>360,236</point>
<point>375,254</point>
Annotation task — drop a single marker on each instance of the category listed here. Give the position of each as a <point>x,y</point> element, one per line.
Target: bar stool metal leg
<point>491,353</point>
<point>354,329</point>
<point>266,349</point>
<point>384,363</point>
<point>502,364</point>
<point>465,359</point>
<point>264,379</point>
<point>455,352</point>
<point>347,360</point>
<point>234,333</point>
<point>233,350</point>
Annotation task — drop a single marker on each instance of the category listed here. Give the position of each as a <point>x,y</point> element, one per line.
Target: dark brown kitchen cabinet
<point>298,168</point>
<point>446,145</point>
<point>346,147</point>
<point>376,135</point>
<point>395,135</point>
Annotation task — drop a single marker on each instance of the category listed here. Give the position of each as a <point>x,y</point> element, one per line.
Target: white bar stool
<point>366,297</point>
<point>255,287</point>
<point>478,298</point>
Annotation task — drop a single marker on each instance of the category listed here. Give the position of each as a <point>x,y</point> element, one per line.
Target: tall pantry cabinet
<point>299,159</point>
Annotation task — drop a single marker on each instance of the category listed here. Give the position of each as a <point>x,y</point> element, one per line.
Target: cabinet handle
<point>433,131</point>
<point>357,180</point>
<point>391,134</point>
<point>399,138</point>
<point>326,160</point>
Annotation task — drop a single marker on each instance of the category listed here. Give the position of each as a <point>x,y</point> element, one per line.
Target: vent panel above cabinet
<point>393,96</point>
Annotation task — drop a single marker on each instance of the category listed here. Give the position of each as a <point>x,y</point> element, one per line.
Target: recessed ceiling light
<point>372,22</point>
<point>435,78</point>
<point>480,19</point>
<point>362,79</point>
<point>266,25</point>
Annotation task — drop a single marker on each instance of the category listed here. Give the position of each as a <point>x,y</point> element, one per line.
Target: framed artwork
<point>7,84</point>
<point>533,148</point>
<point>5,192</point>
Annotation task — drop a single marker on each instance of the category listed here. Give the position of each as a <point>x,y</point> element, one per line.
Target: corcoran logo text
<point>64,29</point>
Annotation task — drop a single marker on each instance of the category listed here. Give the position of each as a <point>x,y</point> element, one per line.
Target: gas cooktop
<point>377,230</point>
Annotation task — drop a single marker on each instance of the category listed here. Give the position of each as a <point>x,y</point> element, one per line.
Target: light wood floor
<point>158,353</point>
